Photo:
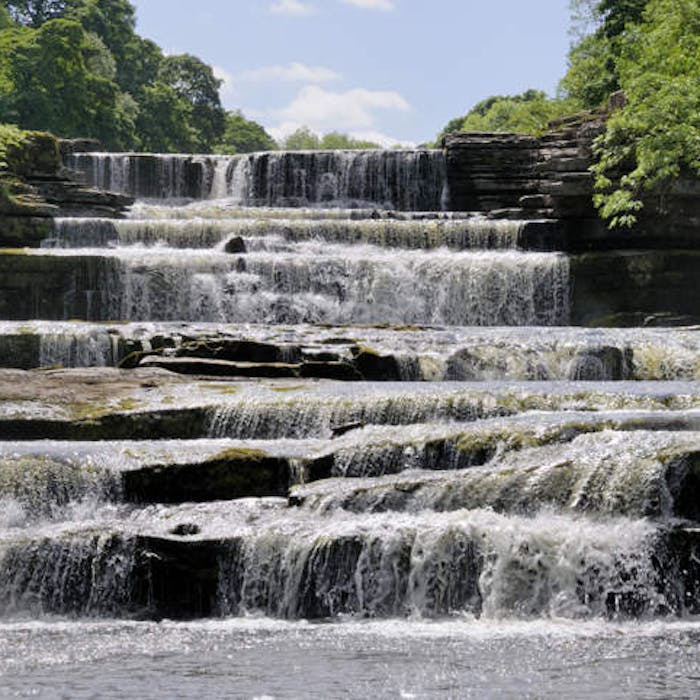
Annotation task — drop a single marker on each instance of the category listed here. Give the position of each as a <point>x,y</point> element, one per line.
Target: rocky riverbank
<point>35,187</point>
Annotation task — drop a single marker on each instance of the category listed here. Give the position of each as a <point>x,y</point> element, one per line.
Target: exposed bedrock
<point>39,188</point>
<point>549,178</point>
<point>636,288</point>
<point>235,473</point>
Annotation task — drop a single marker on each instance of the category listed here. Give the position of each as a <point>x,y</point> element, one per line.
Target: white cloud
<point>226,80</point>
<point>281,131</point>
<point>294,8</point>
<point>321,109</point>
<point>372,4</point>
<point>383,140</point>
<point>294,72</point>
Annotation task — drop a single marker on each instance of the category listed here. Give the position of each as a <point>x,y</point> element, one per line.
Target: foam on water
<point>328,284</point>
<point>301,565</point>
<point>381,659</point>
<point>474,500</point>
<point>261,233</point>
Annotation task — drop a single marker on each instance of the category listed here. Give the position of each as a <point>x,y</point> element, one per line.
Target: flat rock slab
<point>221,368</point>
<point>233,474</point>
<point>111,404</point>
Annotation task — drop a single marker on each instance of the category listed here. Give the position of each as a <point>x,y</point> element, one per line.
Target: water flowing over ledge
<point>403,180</point>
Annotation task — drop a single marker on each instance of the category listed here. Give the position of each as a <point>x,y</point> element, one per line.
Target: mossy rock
<point>24,231</point>
<point>20,351</point>
<point>27,153</point>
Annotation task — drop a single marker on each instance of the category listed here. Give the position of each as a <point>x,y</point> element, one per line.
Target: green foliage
<point>303,139</point>
<point>519,114</point>
<point>5,20</point>
<point>194,82</point>
<point>335,141</point>
<point>616,15</point>
<point>527,113</point>
<point>46,84</point>
<point>164,121</point>
<point>593,73</point>
<point>33,13</point>
<point>114,22</point>
<point>592,76</point>
<point>242,135</point>
<point>78,68</point>
<point>12,140</point>
<point>656,137</point>
<point>451,127</point>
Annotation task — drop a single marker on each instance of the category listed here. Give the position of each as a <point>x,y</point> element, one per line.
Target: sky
<point>385,70</point>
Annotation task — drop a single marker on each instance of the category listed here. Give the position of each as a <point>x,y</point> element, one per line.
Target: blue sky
<point>389,70</point>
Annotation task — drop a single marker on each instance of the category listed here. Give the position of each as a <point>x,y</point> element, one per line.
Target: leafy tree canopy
<point>303,139</point>
<point>527,113</point>
<point>40,65</point>
<point>93,75</point>
<point>33,13</point>
<point>593,73</point>
<point>194,82</point>
<point>656,136</point>
<point>242,135</point>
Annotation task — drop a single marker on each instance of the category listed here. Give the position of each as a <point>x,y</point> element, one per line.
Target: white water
<point>322,283</point>
<point>404,180</point>
<point>608,472</point>
<point>261,234</point>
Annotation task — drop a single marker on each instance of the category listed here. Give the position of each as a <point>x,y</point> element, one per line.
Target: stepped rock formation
<point>40,188</point>
<point>298,386</point>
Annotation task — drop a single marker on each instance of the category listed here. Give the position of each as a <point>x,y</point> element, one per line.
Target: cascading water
<point>376,409</point>
<point>403,180</point>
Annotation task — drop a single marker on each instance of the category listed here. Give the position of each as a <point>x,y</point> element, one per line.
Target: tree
<point>335,141</point>
<point>137,60</point>
<point>527,113</point>
<point>164,121</point>
<point>33,13</point>
<point>303,139</point>
<point>656,136</point>
<point>6,20</point>
<point>593,73</point>
<point>194,82</point>
<point>242,135</point>
<point>616,15</point>
<point>46,84</point>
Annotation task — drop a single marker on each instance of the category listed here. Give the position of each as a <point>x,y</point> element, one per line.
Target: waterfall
<point>470,561</point>
<point>170,177</point>
<point>296,388</point>
<point>403,180</point>
<point>420,354</point>
<point>219,184</point>
<point>319,283</point>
